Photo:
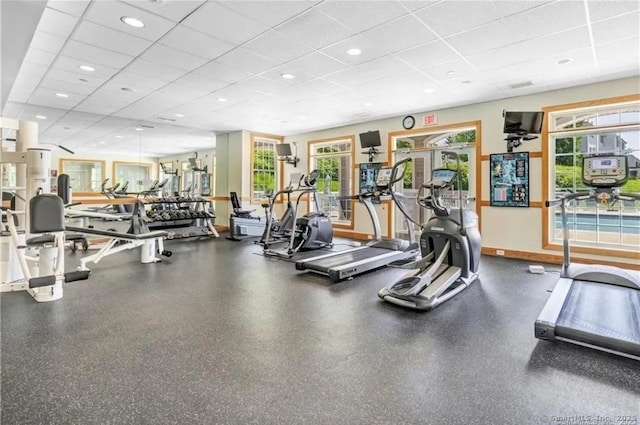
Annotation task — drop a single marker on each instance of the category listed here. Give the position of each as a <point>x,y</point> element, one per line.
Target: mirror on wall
<point>133,176</point>
<point>85,175</point>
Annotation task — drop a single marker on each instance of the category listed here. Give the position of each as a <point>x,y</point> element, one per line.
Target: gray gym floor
<point>219,335</point>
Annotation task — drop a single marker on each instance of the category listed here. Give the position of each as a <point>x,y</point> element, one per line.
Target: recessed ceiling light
<point>41,117</point>
<point>354,51</point>
<point>102,143</point>
<point>179,115</point>
<point>428,90</point>
<point>86,68</point>
<point>287,76</point>
<point>564,61</point>
<point>303,118</point>
<point>62,95</point>
<point>367,103</point>
<point>132,21</point>
<point>450,72</point>
<point>118,137</point>
<point>222,99</point>
<point>139,129</point>
<point>93,145</point>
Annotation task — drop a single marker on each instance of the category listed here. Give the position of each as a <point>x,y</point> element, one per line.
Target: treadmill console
<point>605,171</point>
<point>384,177</point>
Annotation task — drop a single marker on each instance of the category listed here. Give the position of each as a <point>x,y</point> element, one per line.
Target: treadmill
<point>377,253</point>
<point>595,306</point>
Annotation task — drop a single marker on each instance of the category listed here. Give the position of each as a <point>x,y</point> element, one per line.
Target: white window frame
<point>337,209</point>
<point>593,228</point>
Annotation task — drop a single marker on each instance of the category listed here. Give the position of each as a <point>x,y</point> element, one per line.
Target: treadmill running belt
<point>607,316</point>
<point>323,264</point>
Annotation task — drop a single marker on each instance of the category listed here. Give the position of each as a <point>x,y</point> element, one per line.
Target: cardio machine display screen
<point>443,174</point>
<point>384,175</point>
<point>601,163</point>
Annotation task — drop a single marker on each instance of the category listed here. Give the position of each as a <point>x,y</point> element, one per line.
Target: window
<point>609,127</point>
<point>134,177</point>
<point>425,147</point>
<point>334,160</point>
<point>85,176</point>
<point>264,170</point>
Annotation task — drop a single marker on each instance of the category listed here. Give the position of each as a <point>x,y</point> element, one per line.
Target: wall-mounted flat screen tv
<point>283,149</point>
<point>523,122</point>
<point>370,139</point>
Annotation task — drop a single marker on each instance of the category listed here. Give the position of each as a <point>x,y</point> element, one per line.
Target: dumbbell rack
<point>182,217</point>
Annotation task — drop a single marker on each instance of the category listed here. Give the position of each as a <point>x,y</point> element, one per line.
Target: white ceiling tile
<point>47,42</point>
<point>508,7</point>
<point>47,97</point>
<point>224,24</point>
<point>173,10</point>
<point>369,71</point>
<point>75,78</point>
<point>110,39</point>
<point>401,34</point>
<point>109,14</point>
<point>320,86</point>
<point>72,65</point>
<point>164,55</point>
<point>414,5</point>
<point>135,82</point>
<point>39,57</point>
<point>315,29</point>
<point>247,61</point>
<point>66,87</point>
<point>300,76</point>
<point>370,50</point>
<point>526,25</point>
<point>451,17</point>
<point>449,70</point>
<point>318,64</point>
<point>617,28</point>
<point>219,71</point>
<point>12,110</point>
<point>429,54</point>
<point>276,46</point>
<point>168,73</point>
<point>57,23</point>
<point>97,105</point>
<point>95,55</point>
<point>559,43</point>
<point>263,85</point>
<point>205,84</point>
<point>599,10</point>
<point>71,7</point>
<point>609,56</point>
<point>362,15</point>
<point>269,13</point>
<point>195,43</point>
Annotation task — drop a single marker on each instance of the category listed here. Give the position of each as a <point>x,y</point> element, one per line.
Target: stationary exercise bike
<point>450,245</point>
<point>311,231</point>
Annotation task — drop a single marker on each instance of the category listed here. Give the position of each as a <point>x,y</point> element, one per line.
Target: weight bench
<point>151,242</point>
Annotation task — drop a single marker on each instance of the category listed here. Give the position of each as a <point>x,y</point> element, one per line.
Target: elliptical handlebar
<point>394,171</point>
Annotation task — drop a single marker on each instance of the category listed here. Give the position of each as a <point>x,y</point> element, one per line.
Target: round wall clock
<point>408,122</point>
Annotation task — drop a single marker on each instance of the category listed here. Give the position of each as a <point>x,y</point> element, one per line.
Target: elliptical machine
<point>311,231</point>
<point>450,245</point>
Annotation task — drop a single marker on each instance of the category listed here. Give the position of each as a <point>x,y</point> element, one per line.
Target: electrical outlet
<point>500,252</point>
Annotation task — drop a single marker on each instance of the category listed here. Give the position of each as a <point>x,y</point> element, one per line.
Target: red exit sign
<point>429,119</point>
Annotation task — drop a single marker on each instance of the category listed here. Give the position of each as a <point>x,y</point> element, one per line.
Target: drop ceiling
<point>201,68</point>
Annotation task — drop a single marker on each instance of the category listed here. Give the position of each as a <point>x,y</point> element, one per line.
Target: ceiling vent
<point>146,126</point>
<point>166,119</point>
<point>521,84</point>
